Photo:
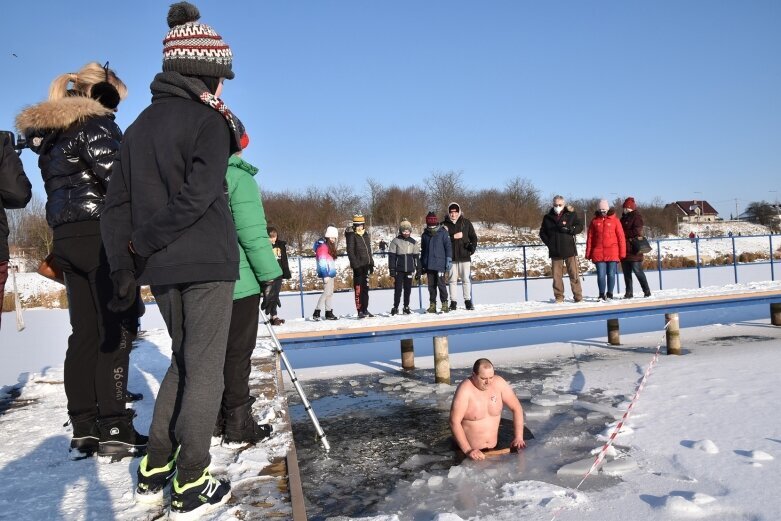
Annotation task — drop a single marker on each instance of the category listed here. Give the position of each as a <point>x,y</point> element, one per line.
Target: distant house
<point>695,211</point>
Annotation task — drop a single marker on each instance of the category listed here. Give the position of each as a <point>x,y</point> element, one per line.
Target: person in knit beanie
<point>359,251</point>
<point>436,257</point>
<point>167,224</point>
<point>403,264</point>
<point>632,224</point>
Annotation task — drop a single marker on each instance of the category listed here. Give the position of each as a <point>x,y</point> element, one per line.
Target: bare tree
<point>658,219</point>
<point>397,203</point>
<point>486,206</point>
<point>442,188</point>
<point>291,214</point>
<point>522,206</point>
<point>29,230</point>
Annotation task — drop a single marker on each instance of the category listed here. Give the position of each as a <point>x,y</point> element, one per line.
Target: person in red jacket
<point>605,246</point>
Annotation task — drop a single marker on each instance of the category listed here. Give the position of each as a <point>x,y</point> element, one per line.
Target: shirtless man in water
<point>477,409</point>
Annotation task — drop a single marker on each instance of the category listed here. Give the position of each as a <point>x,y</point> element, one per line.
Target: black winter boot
<point>468,304</point>
<point>609,295</point>
<point>329,315</point>
<point>316,314</point>
<point>453,305</point>
<point>84,442</point>
<point>406,310</point>
<point>394,310</point>
<point>118,438</point>
<point>241,426</point>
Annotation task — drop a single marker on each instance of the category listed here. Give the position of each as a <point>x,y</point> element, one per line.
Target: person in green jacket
<point>257,266</point>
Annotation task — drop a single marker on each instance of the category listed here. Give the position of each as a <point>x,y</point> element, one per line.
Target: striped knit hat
<point>192,48</point>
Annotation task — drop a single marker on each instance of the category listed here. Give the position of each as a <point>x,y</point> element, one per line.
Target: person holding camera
<point>15,193</point>
<point>77,141</point>
<point>464,242</point>
<point>632,224</point>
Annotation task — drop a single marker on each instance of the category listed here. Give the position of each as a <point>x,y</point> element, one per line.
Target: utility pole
<point>737,214</point>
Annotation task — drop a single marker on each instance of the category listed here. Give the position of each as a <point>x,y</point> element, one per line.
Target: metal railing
<point>665,249</point>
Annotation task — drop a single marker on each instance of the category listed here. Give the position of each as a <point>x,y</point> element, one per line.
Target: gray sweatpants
<point>461,270</point>
<point>197,316</point>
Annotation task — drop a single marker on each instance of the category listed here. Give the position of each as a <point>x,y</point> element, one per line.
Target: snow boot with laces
<point>241,426</point>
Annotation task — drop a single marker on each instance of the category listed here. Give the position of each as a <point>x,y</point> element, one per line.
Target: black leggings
<point>98,355</point>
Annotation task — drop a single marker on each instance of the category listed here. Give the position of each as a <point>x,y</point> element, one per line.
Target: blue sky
<point>675,99</point>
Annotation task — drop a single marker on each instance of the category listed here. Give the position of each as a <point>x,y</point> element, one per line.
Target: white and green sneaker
<point>192,500</point>
<point>152,482</point>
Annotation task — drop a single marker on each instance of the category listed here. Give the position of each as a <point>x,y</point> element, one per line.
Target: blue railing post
<point>525,277</point>
<point>659,261</point>
<point>420,293</point>
<point>301,286</point>
<point>697,251</point>
<point>618,283</point>
<point>734,259</point>
<point>772,270</point>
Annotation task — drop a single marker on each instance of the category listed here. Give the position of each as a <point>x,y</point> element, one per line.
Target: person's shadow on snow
<point>45,484</point>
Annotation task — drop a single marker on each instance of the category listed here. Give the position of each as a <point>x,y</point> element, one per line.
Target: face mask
<point>558,208</point>
<point>602,212</point>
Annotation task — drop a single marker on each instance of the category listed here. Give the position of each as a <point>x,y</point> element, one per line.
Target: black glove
<point>566,229</point>
<point>270,295</point>
<point>470,248</point>
<point>124,290</point>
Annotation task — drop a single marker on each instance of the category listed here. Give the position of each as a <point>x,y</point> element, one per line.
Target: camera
<point>17,142</point>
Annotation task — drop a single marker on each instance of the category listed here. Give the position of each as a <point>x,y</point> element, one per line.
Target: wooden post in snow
<point>775,313</point>
<point>441,360</point>
<point>673,333</point>
<point>407,354</point>
<point>613,334</point>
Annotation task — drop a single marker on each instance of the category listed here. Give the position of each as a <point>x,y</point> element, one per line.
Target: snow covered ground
<point>703,440</point>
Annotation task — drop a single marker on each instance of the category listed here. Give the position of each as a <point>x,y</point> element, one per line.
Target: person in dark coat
<point>559,228</point>
<point>359,251</point>
<point>271,301</point>
<point>15,193</point>
<point>403,264</point>
<point>167,224</point>
<point>632,223</point>
<point>77,141</point>
<point>436,258</point>
<point>463,239</point>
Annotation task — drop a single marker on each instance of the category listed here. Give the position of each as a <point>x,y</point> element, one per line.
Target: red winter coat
<point>605,241</point>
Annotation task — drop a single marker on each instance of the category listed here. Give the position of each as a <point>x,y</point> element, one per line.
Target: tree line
<point>301,216</point>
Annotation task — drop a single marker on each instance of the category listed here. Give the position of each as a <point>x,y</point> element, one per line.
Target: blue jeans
<point>606,276</point>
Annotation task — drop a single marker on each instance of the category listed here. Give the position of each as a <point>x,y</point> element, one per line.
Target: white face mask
<point>558,208</point>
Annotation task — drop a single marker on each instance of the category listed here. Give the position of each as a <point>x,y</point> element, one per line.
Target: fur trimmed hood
<point>59,114</point>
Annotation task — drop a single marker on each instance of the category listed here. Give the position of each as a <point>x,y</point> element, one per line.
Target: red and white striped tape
<point>617,428</point>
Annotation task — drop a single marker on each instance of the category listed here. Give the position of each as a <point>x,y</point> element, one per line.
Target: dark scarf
<point>172,84</point>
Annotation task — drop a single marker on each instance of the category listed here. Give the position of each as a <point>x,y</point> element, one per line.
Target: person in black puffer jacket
<point>77,141</point>
<point>559,227</point>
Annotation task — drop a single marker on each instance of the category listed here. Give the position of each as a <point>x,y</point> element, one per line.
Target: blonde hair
<point>84,80</point>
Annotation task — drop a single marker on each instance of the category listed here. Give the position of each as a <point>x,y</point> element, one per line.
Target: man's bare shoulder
<point>465,388</point>
<point>500,382</point>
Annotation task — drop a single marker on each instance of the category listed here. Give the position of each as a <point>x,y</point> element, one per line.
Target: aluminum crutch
<point>307,406</point>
